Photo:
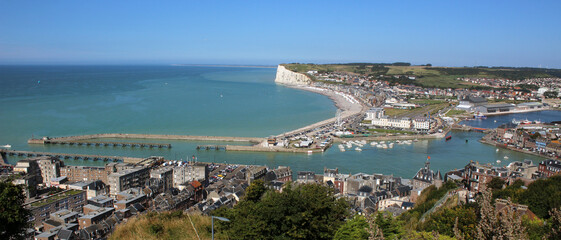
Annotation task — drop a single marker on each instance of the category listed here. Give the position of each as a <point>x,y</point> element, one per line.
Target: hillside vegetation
<point>168,225</point>
<point>428,76</point>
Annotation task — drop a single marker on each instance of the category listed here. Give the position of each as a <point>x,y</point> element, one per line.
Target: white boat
<point>385,146</point>
<point>390,145</point>
<point>415,140</point>
<point>506,157</point>
<point>497,150</point>
<point>373,144</point>
<point>6,146</point>
<point>498,161</point>
<point>358,149</point>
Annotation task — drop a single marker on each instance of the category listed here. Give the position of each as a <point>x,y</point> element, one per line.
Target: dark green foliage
<point>512,191</point>
<point>13,216</point>
<point>496,183</point>
<point>255,191</point>
<point>406,64</point>
<point>391,227</point>
<point>354,228</point>
<point>443,221</point>
<point>550,94</point>
<point>543,195</point>
<point>300,212</point>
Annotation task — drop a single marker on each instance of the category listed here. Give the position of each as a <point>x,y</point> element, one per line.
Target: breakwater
<point>147,136</point>
<point>6,153</point>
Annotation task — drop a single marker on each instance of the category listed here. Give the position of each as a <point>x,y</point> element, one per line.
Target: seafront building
<point>378,119</point>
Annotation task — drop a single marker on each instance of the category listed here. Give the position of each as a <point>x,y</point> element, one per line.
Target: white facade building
<point>374,113</point>
<point>403,123</point>
<point>421,124</point>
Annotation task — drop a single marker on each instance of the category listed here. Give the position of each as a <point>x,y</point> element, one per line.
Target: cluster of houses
<point>86,202</point>
<point>538,138</point>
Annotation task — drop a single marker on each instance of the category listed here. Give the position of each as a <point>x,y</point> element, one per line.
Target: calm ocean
<point>222,101</point>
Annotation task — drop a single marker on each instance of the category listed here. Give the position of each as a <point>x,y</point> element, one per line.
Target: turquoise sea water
<point>222,101</point>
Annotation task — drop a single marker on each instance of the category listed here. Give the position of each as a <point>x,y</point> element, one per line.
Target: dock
<point>109,144</point>
<point>156,136</point>
<point>211,147</point>
<point>61,156</point>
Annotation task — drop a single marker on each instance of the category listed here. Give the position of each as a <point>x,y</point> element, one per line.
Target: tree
<point>255,191</point>
<point>498,225</point>
<point>543,195</point>
<point>496,183</point>
<point>555,224</point>
<point>391,227</point>
<point>308,211</point>
<point>355,228</point>
<point>550,94</point>
<point>14,218</point>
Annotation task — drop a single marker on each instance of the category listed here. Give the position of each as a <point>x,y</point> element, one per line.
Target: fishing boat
<point>480,116</point>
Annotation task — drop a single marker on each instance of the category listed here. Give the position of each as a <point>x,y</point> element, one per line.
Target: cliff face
<point>285,76</point>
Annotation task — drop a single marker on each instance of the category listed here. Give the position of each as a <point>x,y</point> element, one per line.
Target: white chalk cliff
<point>285,76</point>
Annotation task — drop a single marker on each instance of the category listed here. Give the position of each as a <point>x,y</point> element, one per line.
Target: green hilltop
<point>427,75</point>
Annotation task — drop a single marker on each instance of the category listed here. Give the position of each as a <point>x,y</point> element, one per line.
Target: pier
<point>469,128</point>
<point>109,144</point>
<point>211,147</point>
<point>77,139</point>
<point>61,156</point>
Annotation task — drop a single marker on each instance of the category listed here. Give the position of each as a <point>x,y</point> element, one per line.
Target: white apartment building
<point>421,124</point>
<point>403,123</point>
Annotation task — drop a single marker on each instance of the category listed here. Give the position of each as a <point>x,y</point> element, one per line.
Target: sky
<point>443,33</point>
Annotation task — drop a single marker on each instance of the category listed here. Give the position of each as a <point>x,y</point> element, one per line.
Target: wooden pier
<point>61,156</point>
<point>211,147</point>
<point>109,144</point>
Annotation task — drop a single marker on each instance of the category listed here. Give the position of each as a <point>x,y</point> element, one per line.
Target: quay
<point>6,153</point>
<point>149,136</point>
<point>109,144</point>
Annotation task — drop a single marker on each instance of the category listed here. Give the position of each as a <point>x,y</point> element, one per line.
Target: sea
<point>37,101</point>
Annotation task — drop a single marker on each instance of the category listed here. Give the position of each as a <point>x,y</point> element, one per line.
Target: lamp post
<point>219,218</point>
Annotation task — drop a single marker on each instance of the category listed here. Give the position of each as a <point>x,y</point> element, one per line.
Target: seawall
<point>285,76</point>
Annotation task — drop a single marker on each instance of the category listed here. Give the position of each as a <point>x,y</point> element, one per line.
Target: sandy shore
<point>340,101</point>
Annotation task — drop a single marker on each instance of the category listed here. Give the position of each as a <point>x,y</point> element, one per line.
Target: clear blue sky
<point>444,33</point>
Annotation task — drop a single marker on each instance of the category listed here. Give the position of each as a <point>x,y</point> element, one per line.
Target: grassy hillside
<point>173,225</point>
<point>428,76</point>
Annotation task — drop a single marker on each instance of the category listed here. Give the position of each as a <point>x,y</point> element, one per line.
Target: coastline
<point>338,99</point>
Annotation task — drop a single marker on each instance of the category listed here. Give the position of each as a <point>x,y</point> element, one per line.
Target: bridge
<point>6,153</point>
